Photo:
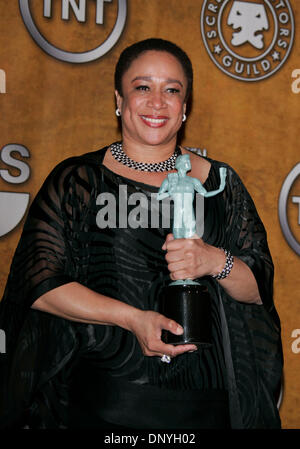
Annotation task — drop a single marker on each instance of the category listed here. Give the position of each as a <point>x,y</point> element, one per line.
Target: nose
<point>156,100</point>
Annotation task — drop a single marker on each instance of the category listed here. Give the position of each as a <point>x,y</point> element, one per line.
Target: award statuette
<point>186,301</point>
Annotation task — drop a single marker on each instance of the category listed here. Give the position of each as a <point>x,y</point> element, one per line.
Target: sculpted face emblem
<point>248,40</point>
<point>250,18</point>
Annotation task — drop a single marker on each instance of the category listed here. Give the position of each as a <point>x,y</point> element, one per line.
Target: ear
<point>119,100</point>
<point>184,108</point>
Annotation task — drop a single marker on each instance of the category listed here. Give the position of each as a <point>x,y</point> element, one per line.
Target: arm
<point>162,193</point>
<point>60,291</point>
<point>193,258</point>
<point>45,274</point>
<point>76,302</point>
<point>251,279</point>
<point>241,283</point>
<point>200,189</point>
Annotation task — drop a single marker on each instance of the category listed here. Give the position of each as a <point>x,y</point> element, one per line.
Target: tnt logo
<point>80,10</point>
<point>289,208</point>
<point>75,31</point>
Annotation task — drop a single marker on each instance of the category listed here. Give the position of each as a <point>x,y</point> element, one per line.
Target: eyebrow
<point>149,78</point>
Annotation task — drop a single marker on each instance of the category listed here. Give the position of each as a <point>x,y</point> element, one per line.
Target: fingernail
<point>179,330</point>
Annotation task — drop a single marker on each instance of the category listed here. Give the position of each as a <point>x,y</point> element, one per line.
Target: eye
<point>258,16</point>
<point>238,13</point>
<point>142,87</point>
<point>173,90</point>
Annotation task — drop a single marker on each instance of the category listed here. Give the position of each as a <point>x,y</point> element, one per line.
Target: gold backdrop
<point>58,109</point>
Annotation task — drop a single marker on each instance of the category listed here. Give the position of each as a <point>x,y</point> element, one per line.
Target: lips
<point>154,121</point>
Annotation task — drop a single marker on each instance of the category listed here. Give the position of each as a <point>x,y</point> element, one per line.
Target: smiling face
<point>153,102</point>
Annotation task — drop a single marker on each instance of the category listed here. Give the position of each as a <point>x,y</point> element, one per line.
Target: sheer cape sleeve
<point>251,333</point>
<point>39,344</point>
<point>40,262</point>
<point>246,237</point>
<point>46,257</point>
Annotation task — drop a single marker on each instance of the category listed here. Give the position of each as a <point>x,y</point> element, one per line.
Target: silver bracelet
<point>227,268</point>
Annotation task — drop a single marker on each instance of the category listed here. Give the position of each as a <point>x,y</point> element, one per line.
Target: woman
<point>80,307</point>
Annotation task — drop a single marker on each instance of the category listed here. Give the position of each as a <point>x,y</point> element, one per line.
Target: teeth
<point>154,120</point>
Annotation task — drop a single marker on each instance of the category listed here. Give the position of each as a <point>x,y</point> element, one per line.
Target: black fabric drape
<point>58,246</point>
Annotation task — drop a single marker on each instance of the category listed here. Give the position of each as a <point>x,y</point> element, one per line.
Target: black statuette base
<point>189,306</point>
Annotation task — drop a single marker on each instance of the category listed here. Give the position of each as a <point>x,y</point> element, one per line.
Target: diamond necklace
<point>118,153</point>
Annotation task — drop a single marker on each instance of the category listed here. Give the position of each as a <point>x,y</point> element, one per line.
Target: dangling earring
<point>118,113</point>
<point>184,118</point>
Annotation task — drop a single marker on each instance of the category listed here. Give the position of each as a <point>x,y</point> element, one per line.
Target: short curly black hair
<point>132,52</point>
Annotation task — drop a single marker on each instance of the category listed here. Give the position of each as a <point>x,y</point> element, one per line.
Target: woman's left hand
<point>192,258</point>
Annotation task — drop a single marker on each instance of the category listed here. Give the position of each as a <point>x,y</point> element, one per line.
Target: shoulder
<point>208,170</point>
<point>204,167</point>
<point>90,159</point>
<point>76,175</point>
<point>82,165</point>
<point>200,164</point>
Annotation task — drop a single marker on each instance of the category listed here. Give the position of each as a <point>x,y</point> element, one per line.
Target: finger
<point>169,238</point>
<point>175,256</point>
<point>173,267</point>
<point>174,244</point>
<point>181,274</point>
<point>175,350</point>
<point>172,326</point>
<point>180,349</point>
<point>183,244</point>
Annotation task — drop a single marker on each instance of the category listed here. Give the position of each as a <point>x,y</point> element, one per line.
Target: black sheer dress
<point>59,373</point>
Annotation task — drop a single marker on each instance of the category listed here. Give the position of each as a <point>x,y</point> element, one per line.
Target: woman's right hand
<point>78,303</point>
<point>147,326</point>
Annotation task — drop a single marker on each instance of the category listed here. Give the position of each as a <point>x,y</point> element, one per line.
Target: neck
<point>182,172</point>
<point>148,153</point>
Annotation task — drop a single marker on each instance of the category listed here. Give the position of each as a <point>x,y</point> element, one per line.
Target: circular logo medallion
<point>74,57</point>
<point>248,40</point>
<point>283,203</point>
